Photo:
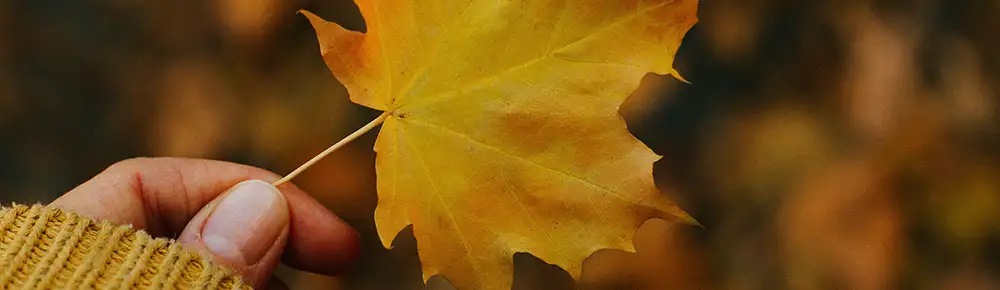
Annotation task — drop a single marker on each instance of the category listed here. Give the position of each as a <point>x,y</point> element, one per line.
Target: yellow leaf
<point>502,132</point>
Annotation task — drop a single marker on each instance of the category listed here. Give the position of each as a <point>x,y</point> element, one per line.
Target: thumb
<point>245,229</point>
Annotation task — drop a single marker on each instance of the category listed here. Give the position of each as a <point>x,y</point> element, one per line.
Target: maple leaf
<point>501,130</point>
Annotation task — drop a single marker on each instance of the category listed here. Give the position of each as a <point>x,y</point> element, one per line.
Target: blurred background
<point>824,144</point>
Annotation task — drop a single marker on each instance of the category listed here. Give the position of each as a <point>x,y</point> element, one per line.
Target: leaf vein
<point>494,148</point>
<point>385,56</point>
<point>451,214</point>
<point>534,220</point>
<point>433,52</point>
<point>531,62</point>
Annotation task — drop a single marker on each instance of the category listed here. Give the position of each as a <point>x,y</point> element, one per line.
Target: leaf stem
<point>367,127</point>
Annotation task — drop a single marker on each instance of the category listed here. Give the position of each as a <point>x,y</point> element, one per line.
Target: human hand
<point>226,211</point>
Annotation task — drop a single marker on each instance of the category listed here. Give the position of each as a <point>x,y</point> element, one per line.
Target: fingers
<point>311,248</point>
<point>157,194</point>
<point>245,228</point>
<point>162,194</point>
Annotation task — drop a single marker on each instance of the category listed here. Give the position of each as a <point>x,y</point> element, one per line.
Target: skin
<point>170,197</point>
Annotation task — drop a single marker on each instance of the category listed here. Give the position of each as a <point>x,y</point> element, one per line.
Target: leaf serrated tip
<point>679,77</point>
<point>688,219</point>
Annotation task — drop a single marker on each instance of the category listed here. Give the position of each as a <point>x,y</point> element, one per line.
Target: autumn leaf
<point>501,130</point>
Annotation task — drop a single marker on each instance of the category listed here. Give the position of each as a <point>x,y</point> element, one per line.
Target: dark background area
<point>824,144</point>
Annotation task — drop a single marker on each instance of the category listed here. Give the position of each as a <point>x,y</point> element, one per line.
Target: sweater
<point>47,248</point>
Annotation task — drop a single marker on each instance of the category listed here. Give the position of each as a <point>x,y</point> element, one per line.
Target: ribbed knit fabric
<point>47,248</point>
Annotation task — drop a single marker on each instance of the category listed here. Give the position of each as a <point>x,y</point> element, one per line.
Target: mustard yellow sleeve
<point>46,248</point>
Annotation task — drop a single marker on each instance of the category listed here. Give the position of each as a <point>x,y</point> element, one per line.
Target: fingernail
<point>246,222</point>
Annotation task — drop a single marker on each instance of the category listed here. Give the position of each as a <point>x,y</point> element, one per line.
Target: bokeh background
<point>824,144</point>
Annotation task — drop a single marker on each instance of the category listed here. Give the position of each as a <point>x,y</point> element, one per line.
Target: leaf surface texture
<point>504,134</point>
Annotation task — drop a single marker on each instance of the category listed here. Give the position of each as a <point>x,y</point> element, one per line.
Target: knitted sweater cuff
<point>46,248</point>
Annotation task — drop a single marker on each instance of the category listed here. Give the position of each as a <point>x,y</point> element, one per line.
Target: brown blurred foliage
<point>823,144</point>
